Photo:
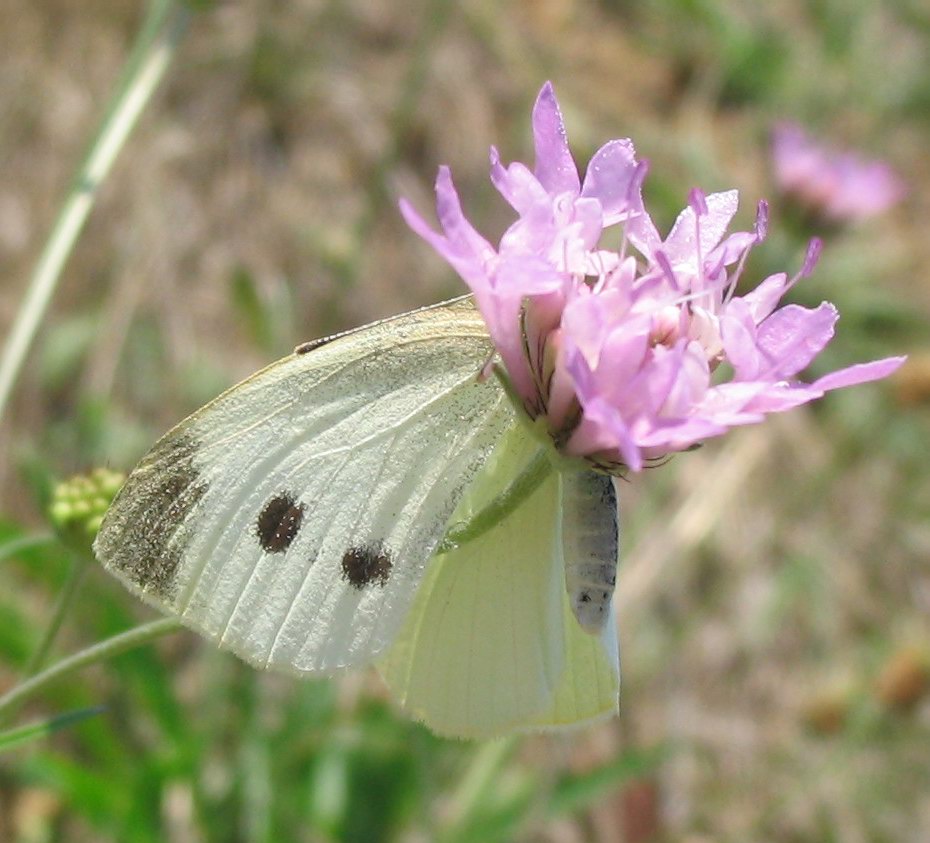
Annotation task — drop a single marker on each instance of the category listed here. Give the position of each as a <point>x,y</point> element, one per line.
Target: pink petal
<point>562,391</point>
<point>690,384</point>
<point>764,298</point>
<point>517,185</point>
<point>642,233</point>
<point>586,322</point>
<point>733,248</point>
<point>778,397</point>
<point>859,373</point>
<point>464,242</point>
<point>650,388</point>
<point>793,336</point>
<point>678,434</point>
<point>500,303</point>
<point>468,258</point>
<point>585,213</point>
<point>602,428</point>
<point>622,355</point>
<point>681,243</point>
<point>737,331</point>
<point>611,178</point>
<point>725,404</point>
<point>555,167</point>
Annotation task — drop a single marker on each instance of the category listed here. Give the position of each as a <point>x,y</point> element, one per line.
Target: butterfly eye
<point>362,566</point>
<point>279,523</point>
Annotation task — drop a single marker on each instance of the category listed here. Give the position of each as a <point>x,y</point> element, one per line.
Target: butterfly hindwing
<point>491,643</point>
<point>481,650</point>
<point>291,520</point>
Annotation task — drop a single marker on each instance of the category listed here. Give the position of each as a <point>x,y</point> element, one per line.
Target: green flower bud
<point>79,503</point>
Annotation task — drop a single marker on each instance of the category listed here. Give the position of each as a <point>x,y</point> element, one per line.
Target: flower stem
<point>65,598</point>
<point>526,483</point>
<point>105,649</point>
<point>145,68</point>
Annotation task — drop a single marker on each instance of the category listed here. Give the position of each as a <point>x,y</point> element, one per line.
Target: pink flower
<point>623,359</point>
<point>839,186</point>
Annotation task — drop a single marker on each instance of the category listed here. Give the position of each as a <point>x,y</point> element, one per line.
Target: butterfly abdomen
<point>590,542</point>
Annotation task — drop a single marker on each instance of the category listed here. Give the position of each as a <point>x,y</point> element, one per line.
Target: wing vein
<point>340,369</point>
<point>402,553</point>
<point>258,470</point>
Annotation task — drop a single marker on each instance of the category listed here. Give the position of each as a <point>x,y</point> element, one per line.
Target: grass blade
<point>41,729</point>
<point>150,58</point>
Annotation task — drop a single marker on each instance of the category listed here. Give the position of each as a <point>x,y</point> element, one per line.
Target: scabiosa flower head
<point>840,187</point>
<point>625,358</point>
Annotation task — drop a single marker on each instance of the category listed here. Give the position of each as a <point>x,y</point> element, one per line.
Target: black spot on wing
<point>143,531</point>
<point>279,522</point>
<point>362,566</point>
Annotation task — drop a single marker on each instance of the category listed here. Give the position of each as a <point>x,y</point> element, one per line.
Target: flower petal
<point>611,178</point>
<point>764,298</point>
<point>682,243</point>
<point>678,434</point>
<point>643,234</point>
<point>738,332</point>
<point>793,336</point>
<point>517,185</point>
<point>603,428</point>
<point>859,373</point>
<point>555,168</point>
<point>781,396</point>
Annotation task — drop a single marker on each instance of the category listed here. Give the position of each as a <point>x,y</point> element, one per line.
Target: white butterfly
<point>371,499</point>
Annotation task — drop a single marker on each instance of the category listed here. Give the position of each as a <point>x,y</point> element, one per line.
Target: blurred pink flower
<point>839,186</point>
<point>622,359</point>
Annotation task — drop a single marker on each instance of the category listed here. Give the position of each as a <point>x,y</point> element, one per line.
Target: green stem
<point>32,731</point>
<point>474,787</point>
<point>150,57</point>
<point>526,483</point>
<point>106,649</point>
<point>73,580</point>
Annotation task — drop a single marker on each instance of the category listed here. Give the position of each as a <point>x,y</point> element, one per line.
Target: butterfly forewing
<point>292,519</point>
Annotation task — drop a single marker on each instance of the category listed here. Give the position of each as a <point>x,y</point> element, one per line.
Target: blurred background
<point>775,585</point>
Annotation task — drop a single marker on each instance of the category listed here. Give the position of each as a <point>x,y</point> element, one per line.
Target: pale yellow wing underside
<point>491,645</point>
